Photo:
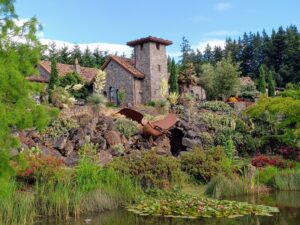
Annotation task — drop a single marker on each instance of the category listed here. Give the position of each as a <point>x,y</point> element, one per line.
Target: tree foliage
<point>17,60</point>
<point>279,52</point>
<point>221,80</point>
<point>262,80</point>
<point>281,116</point>
<point>173,78</point>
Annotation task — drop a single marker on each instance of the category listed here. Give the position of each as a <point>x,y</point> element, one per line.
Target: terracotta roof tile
<point>86,73</point>
<point>149,39</point>
<point>39,79</point>
<point>126,63</point>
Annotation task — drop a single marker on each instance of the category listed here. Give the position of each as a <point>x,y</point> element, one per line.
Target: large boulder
<point>113,138</point>
<point>105,157</point>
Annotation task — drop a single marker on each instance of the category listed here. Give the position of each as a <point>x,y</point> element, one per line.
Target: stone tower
<point>151,59</point>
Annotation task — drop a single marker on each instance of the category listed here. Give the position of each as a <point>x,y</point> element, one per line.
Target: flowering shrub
<point>38,166</point>
<point>232,99</point>
<point>290,153</point>
<point>277,161</point>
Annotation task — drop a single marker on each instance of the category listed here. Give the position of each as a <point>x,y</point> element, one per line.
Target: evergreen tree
<point>173,78</point>
<point>76,54</point>
<point>53,75</point>
<point>87,58</point>
<point>53,52</point>
<point>262,80</point>
<point>185,51</point>
<point>99,57</point>
<point>271,84</point>
<point>169,64</point>
<point>208,55</point>
<point>217,54</point>
<point>64,55</point>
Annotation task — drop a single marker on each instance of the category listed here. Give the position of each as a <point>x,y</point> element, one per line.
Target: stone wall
<point>119,79</point>
<point>196,90</point>
<point>153,63</point>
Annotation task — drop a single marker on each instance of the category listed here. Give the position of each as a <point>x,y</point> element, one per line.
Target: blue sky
<point>111,23</point>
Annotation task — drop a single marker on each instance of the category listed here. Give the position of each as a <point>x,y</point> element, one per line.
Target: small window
<point>142,45</point>
<point>157,46</point>
<point>159,68</point>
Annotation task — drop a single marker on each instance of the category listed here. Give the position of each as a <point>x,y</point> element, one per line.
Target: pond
<point>287,202</point>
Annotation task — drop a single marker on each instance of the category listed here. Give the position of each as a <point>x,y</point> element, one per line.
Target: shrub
<point>266,175</point>
<point>201,164</point>
<point>38,166</point>
<point>61,98</point>
<point>162,106</point>
<point>74,84</point>
<point>277,161</point>
<point>173,98</point>
<point>126,126</point>
<point>118,149</point>
<point>96,99</point>
<point>150,169</point>
<point>60,127</point>
<point>89,150</point>
<point>121,96</point>
<point>229,148</point>
<point>232,99</point>
<point>207,139</point>
<point>216,106</point>
<point>289,152</point>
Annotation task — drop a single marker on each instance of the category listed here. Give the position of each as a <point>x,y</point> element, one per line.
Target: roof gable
<point>126,64</point>
<point>86,73</point>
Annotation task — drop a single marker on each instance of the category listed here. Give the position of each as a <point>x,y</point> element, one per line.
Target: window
<point>159,68</point>
<point>157,46</point>
<point>142,45</point>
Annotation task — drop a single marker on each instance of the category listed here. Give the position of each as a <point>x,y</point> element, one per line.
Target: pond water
<point>287,202</point>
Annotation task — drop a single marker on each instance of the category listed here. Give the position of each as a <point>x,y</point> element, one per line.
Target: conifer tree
<point>53,76</point>
<point>173,78</point>
<point>262,80</point>
<point>271,84</point>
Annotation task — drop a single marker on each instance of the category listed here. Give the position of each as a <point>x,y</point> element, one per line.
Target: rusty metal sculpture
<point>151,128</point>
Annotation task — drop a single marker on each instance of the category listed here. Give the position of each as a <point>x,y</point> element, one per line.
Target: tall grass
<point>288,180</point>
<point>69,192</point>
<point>87,188</point>
<point>222,186</point>
<point>16,207</point>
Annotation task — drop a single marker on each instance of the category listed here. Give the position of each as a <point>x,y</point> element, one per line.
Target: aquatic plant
<point>176,204</point>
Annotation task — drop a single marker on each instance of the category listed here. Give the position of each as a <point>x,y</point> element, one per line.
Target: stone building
<point>141,77</point>
<point>44,68</point>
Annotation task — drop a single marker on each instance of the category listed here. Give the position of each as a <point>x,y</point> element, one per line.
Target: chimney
<point>77,66</point>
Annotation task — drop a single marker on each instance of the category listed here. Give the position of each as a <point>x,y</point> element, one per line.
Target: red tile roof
<point>149,39</point>
<point>126,63</point>
<point>39,79</point>
<point>86,73</point>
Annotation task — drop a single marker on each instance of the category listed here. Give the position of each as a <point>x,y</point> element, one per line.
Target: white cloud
<point>111,48</point>
<point>224,33</point>
<point>213,42</point>
<point>222,6</point>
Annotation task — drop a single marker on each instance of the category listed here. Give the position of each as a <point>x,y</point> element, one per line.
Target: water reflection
<point>288,203</point>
